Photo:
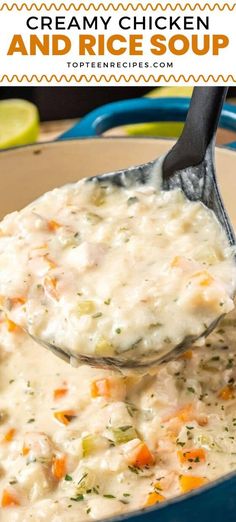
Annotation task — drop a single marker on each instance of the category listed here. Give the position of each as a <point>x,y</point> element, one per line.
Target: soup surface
<point>108,271</point>
<point>82,444</point>
<point>79,266</point>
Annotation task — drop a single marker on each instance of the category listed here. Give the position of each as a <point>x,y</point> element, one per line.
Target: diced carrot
<point>53,225</point>
<point>59,393</point>
<point>101,388</point>
<point>11,326</point>
<point>158,486</point>
<point>187,355</point>
<point>18,300</point>
<point>59,467</point>
<point>184,414</point>
<point>113,388</point>
<point>226,393</point>
<point>177,262</point>
<point>25,450</point>
<point>50,261</point>
<point>187,414</point>
<point>9,435</point>
<point>65,417</point>
<point>194,455</point>
<point>50,285</point>
<point>190,482</point>
<point>182,262</point>
<point>40,247</point>
<point>206,281</point>
<point>205,278</point>
<point>9,499</point>
<point>141,456</point>
<point>154,498</point>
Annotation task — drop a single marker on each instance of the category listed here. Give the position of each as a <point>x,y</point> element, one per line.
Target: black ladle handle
<point>199,129</point>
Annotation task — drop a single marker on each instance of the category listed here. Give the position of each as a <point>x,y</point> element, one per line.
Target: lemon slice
<point>166,129</point>
<point>166,92</point>
<point>19,123</point>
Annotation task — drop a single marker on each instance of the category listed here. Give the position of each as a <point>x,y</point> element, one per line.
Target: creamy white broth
<point>108,271</point>
<point>82,444</point>
<point>184,415</point>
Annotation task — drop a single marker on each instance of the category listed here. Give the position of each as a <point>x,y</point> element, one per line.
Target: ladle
<point>190,166</point>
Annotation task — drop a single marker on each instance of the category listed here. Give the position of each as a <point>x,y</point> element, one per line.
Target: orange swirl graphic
<point>116,7</point>
<point>112,77</point>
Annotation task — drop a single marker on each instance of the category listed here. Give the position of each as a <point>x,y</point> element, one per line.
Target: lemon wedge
<point>19,123</point>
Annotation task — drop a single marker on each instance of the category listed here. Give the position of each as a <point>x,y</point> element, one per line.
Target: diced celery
<point>92,443</point>
<point>208,442</point>
<point>132,200</point>
<point>86,307</point>
<point>124,434</point>
<point>68,240</point>
<point>207,254</point>
<point>98,197</point>
<point>209,366</point>
<point>93,218</point>
<point>85,481</point>
<point>104,347</point>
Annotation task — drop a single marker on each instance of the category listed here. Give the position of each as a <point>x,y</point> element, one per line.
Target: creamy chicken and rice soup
<point>81,444</point>
<point>108,271</point>
<point>101,270</point>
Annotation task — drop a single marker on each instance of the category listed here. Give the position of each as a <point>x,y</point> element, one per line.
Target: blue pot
<point>29,171</point>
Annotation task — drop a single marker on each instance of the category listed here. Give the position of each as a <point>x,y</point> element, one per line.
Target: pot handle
<point>231,146</point>
<point>140,110</point>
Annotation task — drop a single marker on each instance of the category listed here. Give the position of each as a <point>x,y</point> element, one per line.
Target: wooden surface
<point>52,129</point>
